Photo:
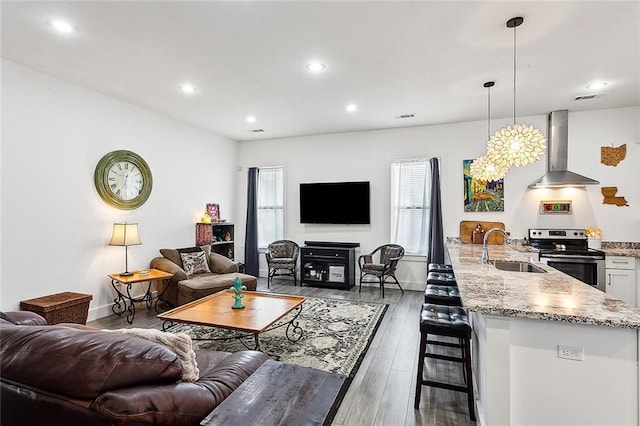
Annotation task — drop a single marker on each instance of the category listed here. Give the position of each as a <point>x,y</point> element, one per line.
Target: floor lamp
<point>125,234</point>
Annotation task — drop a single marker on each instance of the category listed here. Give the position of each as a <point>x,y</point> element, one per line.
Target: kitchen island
<point>547,348</point>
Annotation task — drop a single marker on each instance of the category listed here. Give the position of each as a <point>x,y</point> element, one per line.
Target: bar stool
<point>441,278</point>
<point>439,267</point>
<point>442,295</point>
<point>448,321</point>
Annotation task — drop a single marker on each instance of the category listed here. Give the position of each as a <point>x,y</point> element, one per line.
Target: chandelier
<point>517,144</point>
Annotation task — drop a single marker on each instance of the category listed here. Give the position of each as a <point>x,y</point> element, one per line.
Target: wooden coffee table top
<point>261,311</point>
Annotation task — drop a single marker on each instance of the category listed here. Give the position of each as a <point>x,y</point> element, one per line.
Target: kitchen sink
<point>516,266</point>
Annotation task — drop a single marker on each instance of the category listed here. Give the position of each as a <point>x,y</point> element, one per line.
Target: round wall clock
<point>123,180</point>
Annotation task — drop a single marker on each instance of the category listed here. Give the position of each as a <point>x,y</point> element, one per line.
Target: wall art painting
<point>480,195</point>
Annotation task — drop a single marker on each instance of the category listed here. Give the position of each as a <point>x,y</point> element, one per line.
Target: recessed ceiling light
<point>351,107</point>
<point>188,88</point>
<point>597,85</point>
<point>251,119</point>
<point>316,67</point>
<point>62,26</point>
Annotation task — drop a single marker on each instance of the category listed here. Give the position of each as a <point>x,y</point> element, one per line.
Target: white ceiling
<point>428,58</point>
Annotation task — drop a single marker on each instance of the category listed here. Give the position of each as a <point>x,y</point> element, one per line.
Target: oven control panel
<point>557,234</point>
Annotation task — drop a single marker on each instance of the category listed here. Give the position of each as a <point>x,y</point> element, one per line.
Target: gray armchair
<point>381,263</point>
<point>282,255</point>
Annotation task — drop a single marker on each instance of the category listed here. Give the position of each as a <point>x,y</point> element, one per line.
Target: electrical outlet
<point>571,352</point>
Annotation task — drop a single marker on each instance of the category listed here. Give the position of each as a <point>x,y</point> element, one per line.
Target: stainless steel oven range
<point>567,251</point>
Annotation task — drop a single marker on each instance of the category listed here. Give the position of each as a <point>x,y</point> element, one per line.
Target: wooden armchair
<point>282,255</point>
<point>381,263</point>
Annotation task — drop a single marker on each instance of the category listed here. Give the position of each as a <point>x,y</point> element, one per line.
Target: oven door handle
<point>564,256</point>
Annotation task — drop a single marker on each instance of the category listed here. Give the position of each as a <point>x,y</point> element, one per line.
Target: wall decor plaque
<point>556,207</point>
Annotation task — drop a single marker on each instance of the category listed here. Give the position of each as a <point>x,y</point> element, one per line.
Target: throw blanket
<point>180,343</point>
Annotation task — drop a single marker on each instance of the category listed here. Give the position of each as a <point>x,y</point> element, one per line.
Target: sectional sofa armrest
<point>164,264</point>
<point>178,404</point>
<point>222,265</point>
<point>23,318</point>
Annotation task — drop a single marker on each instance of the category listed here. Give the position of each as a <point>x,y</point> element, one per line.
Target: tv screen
<point>335,202</point>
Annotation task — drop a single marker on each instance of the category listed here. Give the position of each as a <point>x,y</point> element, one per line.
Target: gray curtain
<point>436,237</point>
<point>251,254</point>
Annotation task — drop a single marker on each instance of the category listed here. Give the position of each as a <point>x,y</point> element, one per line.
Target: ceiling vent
<point>588,97</point>
<point>403,116</point>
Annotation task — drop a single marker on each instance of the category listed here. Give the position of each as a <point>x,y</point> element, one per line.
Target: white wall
<point>366,156</point>
<point>55,228</point>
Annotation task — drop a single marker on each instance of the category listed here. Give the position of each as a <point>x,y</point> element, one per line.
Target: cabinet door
<point>621,283</point>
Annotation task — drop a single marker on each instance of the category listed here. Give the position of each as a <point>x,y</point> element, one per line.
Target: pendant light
<point>483,168</point>
<point>517,144</point>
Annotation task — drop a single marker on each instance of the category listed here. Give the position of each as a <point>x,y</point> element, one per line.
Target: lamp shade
<point>125,234</point>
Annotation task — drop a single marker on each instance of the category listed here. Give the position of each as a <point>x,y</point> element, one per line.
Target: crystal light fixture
<point>483,167</point>
<point>517,144</point>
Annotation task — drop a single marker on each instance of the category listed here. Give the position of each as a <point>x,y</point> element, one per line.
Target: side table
<point>281,394</point>
<point>125,301</point>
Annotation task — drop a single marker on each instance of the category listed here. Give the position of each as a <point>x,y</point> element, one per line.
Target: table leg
<point>294,331</point>
<point>167,283</point>
<point>132,305</point>
<point>119,303</point>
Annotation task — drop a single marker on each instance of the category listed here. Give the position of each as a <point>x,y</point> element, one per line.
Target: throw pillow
<point>180,343</point>
<point>195,263</point>
<point>174,254</point>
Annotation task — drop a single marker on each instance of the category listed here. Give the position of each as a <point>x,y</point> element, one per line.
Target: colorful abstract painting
<point>480,195</point>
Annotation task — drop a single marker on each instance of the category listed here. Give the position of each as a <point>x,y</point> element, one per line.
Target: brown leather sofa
<point>184,288</point>
<point>70,374</point>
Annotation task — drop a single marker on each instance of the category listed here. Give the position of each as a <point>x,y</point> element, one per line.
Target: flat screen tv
<point>335,202</point>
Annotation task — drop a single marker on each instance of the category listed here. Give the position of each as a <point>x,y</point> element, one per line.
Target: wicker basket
<point>60,307</point>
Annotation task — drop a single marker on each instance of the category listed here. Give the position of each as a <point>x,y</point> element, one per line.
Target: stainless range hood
<point>557,175</point>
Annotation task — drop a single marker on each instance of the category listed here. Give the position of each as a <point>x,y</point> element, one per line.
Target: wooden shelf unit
<point>215,234</point>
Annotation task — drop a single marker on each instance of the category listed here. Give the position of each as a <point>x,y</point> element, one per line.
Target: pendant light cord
<point>514,76</point>
<point>489,113</point>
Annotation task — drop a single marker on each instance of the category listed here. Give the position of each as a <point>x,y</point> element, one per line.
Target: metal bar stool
<point>439,267</point>
<point>441,278</point>
<point>442,295</point>
<point>448,321</point>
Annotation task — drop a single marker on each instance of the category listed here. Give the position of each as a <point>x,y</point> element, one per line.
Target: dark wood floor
<point>383,390</point>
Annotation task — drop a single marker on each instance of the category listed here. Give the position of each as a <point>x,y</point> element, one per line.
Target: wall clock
<point>123,179</point>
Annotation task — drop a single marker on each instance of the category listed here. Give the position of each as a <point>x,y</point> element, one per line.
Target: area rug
<point>336,335</point>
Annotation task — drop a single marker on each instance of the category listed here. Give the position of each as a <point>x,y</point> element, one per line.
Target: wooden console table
<point>125,301</point>
<point>281,394</point>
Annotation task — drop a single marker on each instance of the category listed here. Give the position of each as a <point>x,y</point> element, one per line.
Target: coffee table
<point>260,314</point>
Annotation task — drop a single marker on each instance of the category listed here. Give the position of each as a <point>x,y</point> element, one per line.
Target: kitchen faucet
<point>485,250</point>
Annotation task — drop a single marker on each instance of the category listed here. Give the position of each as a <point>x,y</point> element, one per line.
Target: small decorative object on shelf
<point>214,212</point>
<point>205,218</point>
<point>237,289</point>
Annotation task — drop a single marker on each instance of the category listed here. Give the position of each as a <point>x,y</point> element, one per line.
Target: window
<point>410,197</point>
<point>270,205</point>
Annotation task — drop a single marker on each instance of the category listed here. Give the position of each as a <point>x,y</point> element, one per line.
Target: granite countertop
<point>552,296</point>
<point>621,251</point>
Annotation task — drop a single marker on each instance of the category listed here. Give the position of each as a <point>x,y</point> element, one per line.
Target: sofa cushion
<point>221,264</point>
<point>91,362</point>
<point>180,343</point>
<point>205,284</point>
<point>195,263</point>
<point>174,254</point>
<point>182,403</point>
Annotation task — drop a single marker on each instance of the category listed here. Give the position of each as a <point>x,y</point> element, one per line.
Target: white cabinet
<point>621,278</point>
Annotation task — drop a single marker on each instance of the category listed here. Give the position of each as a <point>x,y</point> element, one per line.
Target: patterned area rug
<point>336,335</point>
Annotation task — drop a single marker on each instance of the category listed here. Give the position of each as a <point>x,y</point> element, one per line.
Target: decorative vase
<point>237,289</point>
